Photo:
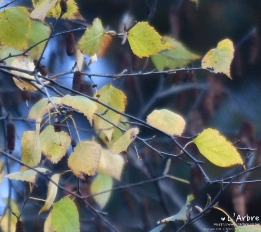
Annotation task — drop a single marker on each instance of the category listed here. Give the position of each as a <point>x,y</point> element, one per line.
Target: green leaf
<point>5,51</point>
<point>28,175</point>
<point>158,228</point>
<point>217,149</point>
<point>85,158</point>
<point>83,104</point>
<point>173,58</point>
<point>115,98</point>
<point>54,144</point>
<point>167,121</point>
<point>219,60</point>
<point>101,183</point>
<point>51,192</point>
<point>2,171</point>
<point>111,165</point>
<point>248,228</point>
<point>124,141</point>
<point>31,149</point>
<point>14,24</point>
<point>145,41</point>
<point>91,40</point>
<point>182,214</point>
<point>65,216</point>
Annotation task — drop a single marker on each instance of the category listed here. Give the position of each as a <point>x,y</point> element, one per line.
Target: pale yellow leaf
<point>48,223</point>
<point>42,9</point>
<point>124,141</point>
<point>217,149</point>
<point>85,158</point>
<point>219,60</point>
<point>167,121</point>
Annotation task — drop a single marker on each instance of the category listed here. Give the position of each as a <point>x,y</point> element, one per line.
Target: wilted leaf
<point>2,171</point>
<point>248,228</point>
<point>124,141</point>
<point>85,158</point>
<point>51,192</point>
<point>41,10</point>
<point>14,21</point>
<point>145,41</point>
<point>28,175</point>
<point>83,104</point>
<point>31,149</point>
<point>217,149</point>
<point>218,60</point>
<point>110,164</point>
<point>173,58</point>
<point>167,121</point>
<point>54,144</point>
<point>105,45</point>
<point>101,183</point>
<point>182,214</point>
<point>115,98</point>
<point>65,216</point>
<point>92,38</point>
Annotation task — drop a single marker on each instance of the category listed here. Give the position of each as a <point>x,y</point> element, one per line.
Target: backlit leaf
<point>218,60</point>
<point>51,192</point>
<point>83,104</point>
<point>85,158</point>
<point>31,149</point>
<point>111,164</point>
<point>167,121</point>
<point>14,21</point>
<point>92,38</point>
<point>124,141</point>
<point>182,214</point>
<point>41,10</point>
<point>173,58</point>
<point>145,41</point>
<point>248,228</point>
<point>28,175</point>
<point>101,183</point>
<point>217,149</point>
<point>115,98</point>
<point>65,216</point>
<point>54,144</point>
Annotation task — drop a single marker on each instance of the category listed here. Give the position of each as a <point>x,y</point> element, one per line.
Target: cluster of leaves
<point>104,110</point>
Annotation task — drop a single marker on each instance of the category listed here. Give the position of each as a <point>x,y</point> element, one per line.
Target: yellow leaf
<point>85,158</point>
<point>4,220</point>
<point>83,104</point>
<point>92,38</point>
<point>218,60</point>
<point>124,141</point>
<point>217,149</point>
<point>31,149</point>
<point>173,58</point>
<point>41,10</point>
<point>51,192</point>
<point>28,175</point>
<point>54,144</point>
<point>105,45</point>
<point>111,165</point>
<point>167,121</point>
<point>48,223</point>
<point>101,183</point>
<point>145,41</point>
<point>115,98</point>
<point>2,171</point>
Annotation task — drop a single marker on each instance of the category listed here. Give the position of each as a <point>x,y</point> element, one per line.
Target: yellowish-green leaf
<point>5,51</point>
<point>34,37</point>
<point>2,171</point>
<point>28,175</point>
<point>31,149</point>
<point>182,214</point>
<point>158,228</point>
<point>115,98</point>
<point>85,158</point>
<point>217,149</point>
<point>51,192</point>
<point>54,144</point>
<point>83,104</point>
<point>248,228</point>
<point>65,216</point>
<point>145,41</point>
<point>167,121</point>
<point>14,21</point>
<point>218,60</point>
<point>92,38</point>
<point>48,223</point>
<point>41,10</point>
<point>173,58</point>
<point>124,141</point>
<point>101,183</point>
<point>111,165</point>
